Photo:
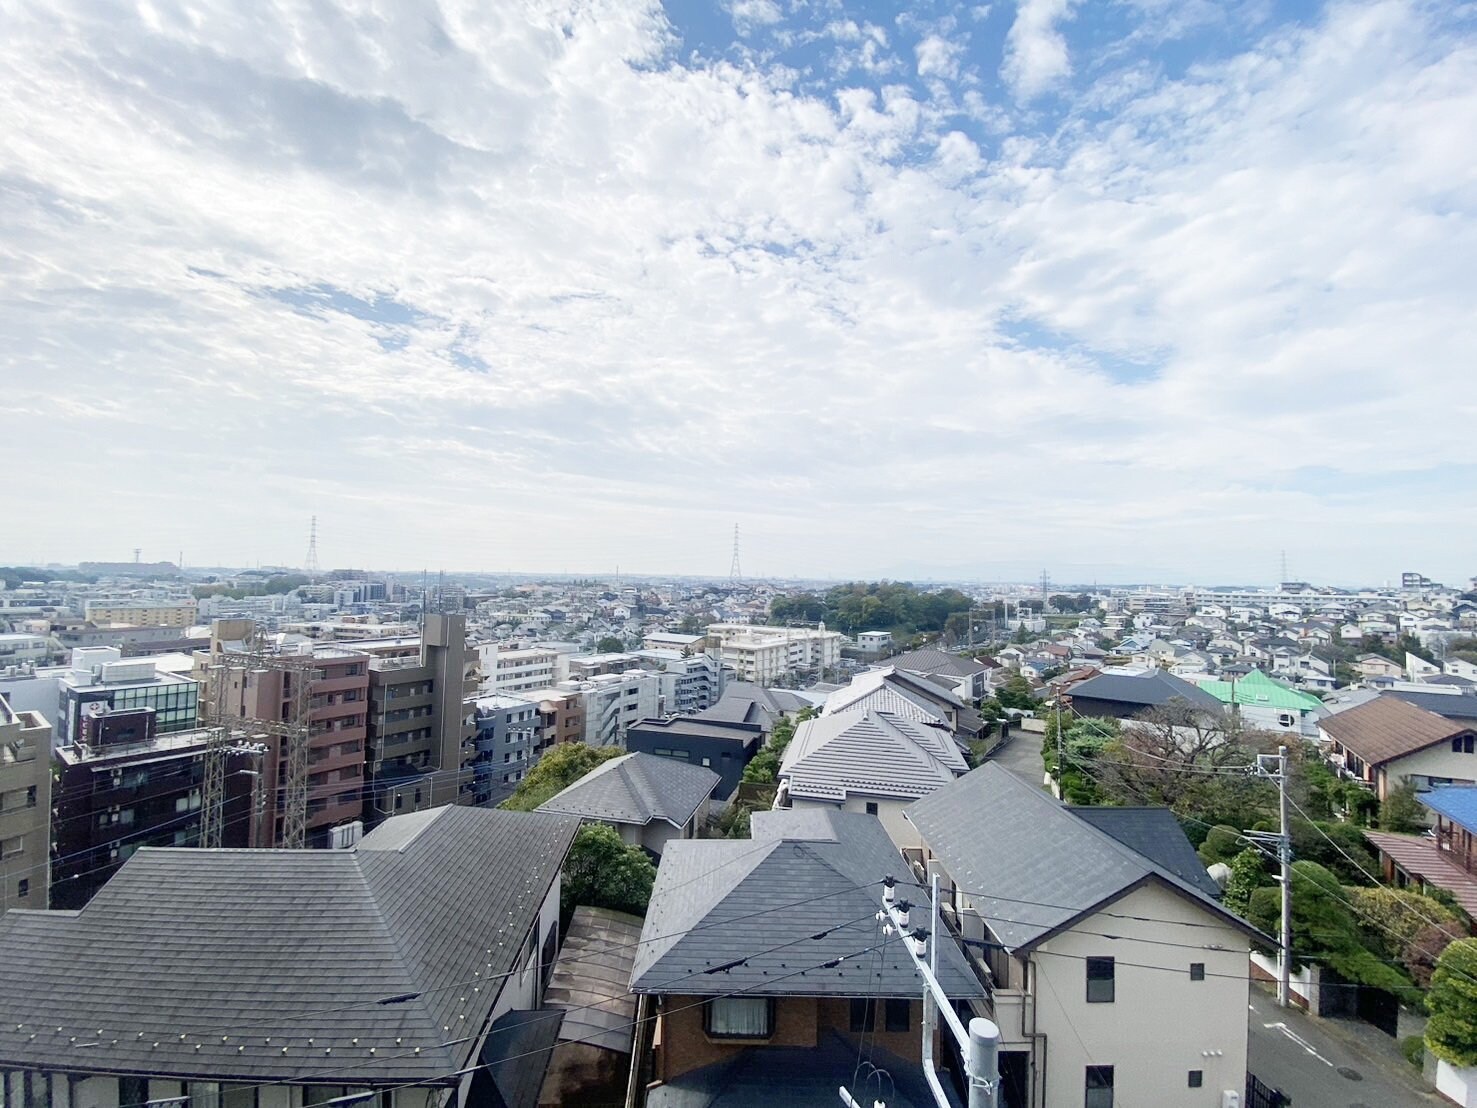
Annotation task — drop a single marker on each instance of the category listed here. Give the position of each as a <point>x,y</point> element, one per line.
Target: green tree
<point>603,872</point>
<point>1400,811</point>
<point>1221,845</point>
<point>763,768</point>
<point>1422,954</point>
<point>1016,693</point>
<point>1451,1033</point>
<point>1394,918</point>
<point>556,771</point>
<point>610,645</point>
<point>693,625</point>
<point>1248,874</point>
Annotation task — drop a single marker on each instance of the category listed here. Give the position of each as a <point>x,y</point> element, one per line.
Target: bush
<point>1414,1049</point>
<point>1248,874</point>
<point>556,771</point>
<point>1394,917</point>
<point>1221,845</point>
<point>603,872</point>
<point>1451,1034</point>
<point>1400,811</point>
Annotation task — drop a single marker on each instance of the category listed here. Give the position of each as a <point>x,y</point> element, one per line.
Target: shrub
<point>1451,1034</point>
<point>1414,1049</point>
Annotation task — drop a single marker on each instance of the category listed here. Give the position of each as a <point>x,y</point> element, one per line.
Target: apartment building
<point>506,740</point>
<point>23,649</point>
<point>25,808</point>
<point>338,698</point>
<point>767,655</point>
<point>614,701</point>
<point>690,682</point>
<point>121,787</point>
<point>516,670</point>
<point>421,745</point>
<point>136,613</point>
<point>561,714</point>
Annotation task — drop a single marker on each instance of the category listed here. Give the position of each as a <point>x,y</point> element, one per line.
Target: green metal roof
<point>1256,689</point>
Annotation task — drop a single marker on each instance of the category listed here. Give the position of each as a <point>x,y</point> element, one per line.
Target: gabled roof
<point>1042,864</point>
<point>1458,706</point>
<point>637,789</point>
<point>869,752</point>
<point>1157,835</point>
<point>898,692</point>
<point>1256,689</point>
<point>936,661</point>
<point>753,906</point>
<point>1388,727</point>
<point>184,940</point>
<point>1147,690</point>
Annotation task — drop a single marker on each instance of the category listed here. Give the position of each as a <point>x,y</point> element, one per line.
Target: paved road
<point>1022,755</point>
<point>1321,1069</point>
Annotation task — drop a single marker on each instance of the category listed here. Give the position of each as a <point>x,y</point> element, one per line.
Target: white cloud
<point>1036,55</point>
<point>497,288</point>
<point>938,57</point>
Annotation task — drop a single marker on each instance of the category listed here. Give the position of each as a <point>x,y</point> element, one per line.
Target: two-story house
<point>1383,741</point>
<point>866,761</point>
<point>648,800</point>
<point>770,971</point>
<point>1446,858</point>
<point>282,978</point>
<point>1114,973</point>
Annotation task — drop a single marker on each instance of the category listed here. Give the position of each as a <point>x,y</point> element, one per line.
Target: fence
<point>1261,1095</point>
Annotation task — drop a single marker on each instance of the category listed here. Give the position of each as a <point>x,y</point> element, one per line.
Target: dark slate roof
<point>637,788</point>
<point>815,872</point>
<point>1042,864</point>
<point>1149,690</point>
<point>244,943</point>
<point>936,661</point>
<point>1458,706</point>
<point>1157,835</point>
<point>745,702</point>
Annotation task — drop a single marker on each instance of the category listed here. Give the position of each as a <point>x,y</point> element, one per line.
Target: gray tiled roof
<point>936,661</point>
<point>636,788</point>
<point>272,948</point>
<point>804,874</point>
<point>1157,835</point>
<point>869,752</point>
<point>1041,864</point>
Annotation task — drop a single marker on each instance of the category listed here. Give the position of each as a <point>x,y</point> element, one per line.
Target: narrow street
<point>1320,1067</point>
<point>1021,754</point>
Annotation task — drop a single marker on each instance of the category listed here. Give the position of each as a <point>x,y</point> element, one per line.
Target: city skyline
<point>1152,290</point>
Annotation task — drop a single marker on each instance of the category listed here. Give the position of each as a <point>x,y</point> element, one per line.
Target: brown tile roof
<point>1388,728</point>
<point>1422,858</point>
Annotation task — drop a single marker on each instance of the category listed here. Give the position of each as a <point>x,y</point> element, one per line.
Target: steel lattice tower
<point>310,564</point>
<point>734,573</point>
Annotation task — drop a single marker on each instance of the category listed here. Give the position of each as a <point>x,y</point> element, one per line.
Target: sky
<point>1130,290</point>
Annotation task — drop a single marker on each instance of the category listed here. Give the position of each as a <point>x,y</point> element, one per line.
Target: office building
<point>102,676</point>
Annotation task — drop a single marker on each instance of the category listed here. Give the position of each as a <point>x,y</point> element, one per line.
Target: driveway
<point>1327,1067</point>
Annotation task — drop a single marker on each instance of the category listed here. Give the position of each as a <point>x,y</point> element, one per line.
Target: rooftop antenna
<point>310,564</point>
<point>734,572</point>
<point>137,550</point>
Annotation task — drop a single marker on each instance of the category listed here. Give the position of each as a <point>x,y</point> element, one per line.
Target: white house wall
<point>1161,1024</point>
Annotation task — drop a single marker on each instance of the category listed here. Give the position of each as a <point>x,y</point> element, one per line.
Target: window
<point>898,1014</point>
<point>132,1090</point>
<point>863,1016</point>
<point>1197,971</point>
<point>23,887</point>
<point>1099,1087</point>
<point>12,846</point>
<point>871,807</point>
<point>1197,1078</point>
<point>739,1017</point>
<point>1100,981</point>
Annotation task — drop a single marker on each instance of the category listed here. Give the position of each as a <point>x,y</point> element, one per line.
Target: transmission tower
<point>1045,585</point>
<point>254,661</point>
<point>734,573</point>
<point>310,564</point>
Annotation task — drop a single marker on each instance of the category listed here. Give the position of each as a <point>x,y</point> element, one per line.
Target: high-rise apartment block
<point>25,808</point>
<point>506,743</point>
<point>516,670</point>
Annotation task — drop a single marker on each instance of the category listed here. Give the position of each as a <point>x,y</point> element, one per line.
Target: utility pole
<point>979,1045</point>
<point>1283,841</point>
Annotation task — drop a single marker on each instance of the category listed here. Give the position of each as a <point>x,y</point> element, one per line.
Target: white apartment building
<point>22,648</point>
<point>614,701</point>
<point>764,655</point>
<point>517,670</point>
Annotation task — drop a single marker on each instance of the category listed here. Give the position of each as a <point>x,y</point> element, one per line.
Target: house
<point>1122,696</point>
<point>251,977</point>
<point>1110,962</point>
<point>724,746</point>
<point>1444,859</point>
<point>767,966</point>
<point>967,676</point>
<point>867,761</point>
<point>922,699</point>
<point>1386,740</point>
<point>1268,705</point>
<point>648,799</point>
